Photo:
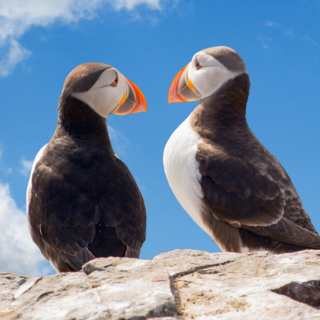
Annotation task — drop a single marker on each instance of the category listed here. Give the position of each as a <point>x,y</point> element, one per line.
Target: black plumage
<point>235,189</point>
<point>84,202</point>
<point>243,183</point>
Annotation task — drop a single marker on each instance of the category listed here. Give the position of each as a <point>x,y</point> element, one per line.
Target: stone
<point>182,284</point>
<point>306,292</point>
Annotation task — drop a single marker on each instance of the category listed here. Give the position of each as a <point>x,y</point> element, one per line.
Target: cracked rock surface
<point>182,284</point>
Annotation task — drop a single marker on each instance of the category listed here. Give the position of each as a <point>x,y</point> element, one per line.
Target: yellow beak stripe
<point>123,99</point>
<point>190,84</point>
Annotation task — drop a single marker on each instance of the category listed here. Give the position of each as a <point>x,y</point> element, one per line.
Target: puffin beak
<point>182,89</point>
<point>132,102</point>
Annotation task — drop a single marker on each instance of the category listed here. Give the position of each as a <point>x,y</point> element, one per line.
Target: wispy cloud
<point>271,24</point>
<point>18,253</point>
<point>11,55</point>
<point>153,20</point>
<point>131,4</point>
<point>26,167</point>
<point>118,140</point>
<point>18,16</point>
<point>266,41</point>
<point>289,32</point>
<point>308,39</point>
<point>286,32</point>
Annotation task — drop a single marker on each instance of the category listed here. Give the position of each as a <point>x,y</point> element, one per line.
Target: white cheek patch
<point>211,76</point>
<point>103,99</point>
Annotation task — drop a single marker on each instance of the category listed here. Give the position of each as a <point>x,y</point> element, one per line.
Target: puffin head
<point>104,89</point>
<point>208,70</point>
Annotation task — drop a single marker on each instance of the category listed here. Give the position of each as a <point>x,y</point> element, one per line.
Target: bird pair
<point>83,202</point>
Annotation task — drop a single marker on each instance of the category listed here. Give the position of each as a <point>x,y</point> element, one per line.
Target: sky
<point>149,41</point>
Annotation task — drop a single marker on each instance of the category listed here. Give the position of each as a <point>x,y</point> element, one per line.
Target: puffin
<point>223,177</point>
<point>82,201</point>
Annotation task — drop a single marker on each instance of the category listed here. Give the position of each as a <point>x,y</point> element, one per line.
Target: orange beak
<point>132,102</point>
<point>182,89</point>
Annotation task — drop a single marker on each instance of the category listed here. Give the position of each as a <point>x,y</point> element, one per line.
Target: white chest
<point>182,170</point>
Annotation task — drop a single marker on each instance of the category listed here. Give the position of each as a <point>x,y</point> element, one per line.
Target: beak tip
<point>139,103</point>
<point>171,98</point>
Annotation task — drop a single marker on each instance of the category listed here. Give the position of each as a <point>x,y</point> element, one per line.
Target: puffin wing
<point>129,211</point>
<point>244,196</point>
<point>78,260</point>
<point>236,191</point>
<point>63,212</point>
<point>75,261</point>
<point>289,232</point>
<point>59,214</point>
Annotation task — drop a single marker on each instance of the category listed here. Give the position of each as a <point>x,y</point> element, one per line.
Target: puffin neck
<point>224,110</point>
<point>79,121</point>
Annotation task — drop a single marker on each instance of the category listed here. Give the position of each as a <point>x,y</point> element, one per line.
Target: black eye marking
<point>115,81</point>
<point>197,64</point>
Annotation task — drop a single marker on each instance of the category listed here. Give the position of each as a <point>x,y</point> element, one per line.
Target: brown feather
<point>242,182</point>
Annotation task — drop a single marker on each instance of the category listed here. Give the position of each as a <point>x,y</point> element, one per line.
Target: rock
<point>306,292</point>
<point>182,284</point>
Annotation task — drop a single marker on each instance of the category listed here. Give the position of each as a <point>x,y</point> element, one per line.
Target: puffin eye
<point>197,64</point>
<point>115,81</point>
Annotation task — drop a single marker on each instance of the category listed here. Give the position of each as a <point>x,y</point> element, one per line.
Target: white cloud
<point>26,167</point>
<point>18,253</point>
<point>15,53</point>
<point>18,16</point>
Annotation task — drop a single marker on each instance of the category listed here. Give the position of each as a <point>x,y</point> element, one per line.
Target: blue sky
<point>149,41</point>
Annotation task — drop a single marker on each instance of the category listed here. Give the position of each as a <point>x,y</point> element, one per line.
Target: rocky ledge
<point>182,284</point>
